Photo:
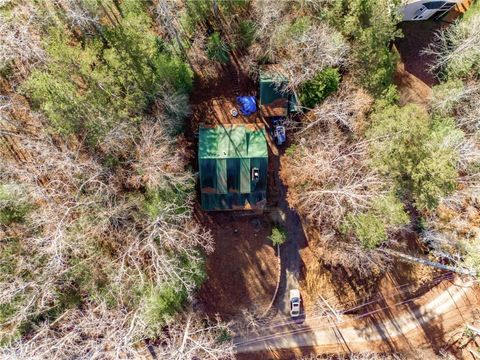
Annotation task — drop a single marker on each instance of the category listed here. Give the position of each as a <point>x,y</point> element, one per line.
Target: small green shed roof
<point>269,91</point>
<point>275,99</point>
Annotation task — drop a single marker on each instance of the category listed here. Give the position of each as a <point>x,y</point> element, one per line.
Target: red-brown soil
<point>423,340</point>
<point>344,290</point>
<point>410,88</point>
<point>242,271</point>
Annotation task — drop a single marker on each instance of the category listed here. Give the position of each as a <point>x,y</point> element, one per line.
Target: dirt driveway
<point>290,251</point>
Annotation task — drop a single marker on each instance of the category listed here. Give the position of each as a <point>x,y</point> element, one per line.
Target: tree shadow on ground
<point>242,271</point>
<point>417,36</point>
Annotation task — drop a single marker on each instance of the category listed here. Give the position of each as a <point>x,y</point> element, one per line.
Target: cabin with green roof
<point>233,165</point>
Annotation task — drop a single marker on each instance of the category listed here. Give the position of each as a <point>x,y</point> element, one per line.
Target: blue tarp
<point>247,105</point>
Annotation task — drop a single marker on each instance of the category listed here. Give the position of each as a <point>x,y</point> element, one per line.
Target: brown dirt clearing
<point>417,35</point>
<point>242,271</point>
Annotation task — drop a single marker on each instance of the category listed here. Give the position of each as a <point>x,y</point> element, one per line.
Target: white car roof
<point>294,293</point>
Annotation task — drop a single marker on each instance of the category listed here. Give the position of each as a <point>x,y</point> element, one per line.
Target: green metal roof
<point>272,91</point>
<point>269,92</point>
<point>227,156</point>
<point>236,141</point>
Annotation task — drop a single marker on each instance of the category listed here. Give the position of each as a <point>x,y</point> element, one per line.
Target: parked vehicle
<point>255,174</point>
<point>294,303</point>
<point>279,133</point>
<point>416,10</point>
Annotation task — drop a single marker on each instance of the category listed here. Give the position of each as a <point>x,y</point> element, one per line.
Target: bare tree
<point>68,189</point>
<point>468,109</point>
<point>457,47</point>
<point>300,56</point>
<point>337,175</point>
<point>462,101</point>
<point>168,21</point>
<point>79,15</point>
<point>453,234</point>
<point>329,177</point>
<point>158,161</point>
<point>346,108</point>
<point>197,54</point>
<point>469,154</point>
<point>94,332</point>
<point>171,109</point>
<point>193,337</point>
<point>304,56</point>
<point>19,40</point>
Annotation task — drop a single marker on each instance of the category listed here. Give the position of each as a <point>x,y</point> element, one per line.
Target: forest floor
<point>411,89</point>
<point>417,35</point>
<point>243,270</point>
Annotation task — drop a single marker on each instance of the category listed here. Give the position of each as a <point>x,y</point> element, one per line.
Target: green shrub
<point>217,49</point>
<point>417,152</point>
<point>224,336</point>
<point>299,26</point>
<point>390,210</point>
<point>368,229</point>
<point>446,96</point>
<point>278,236</point>
<point>390,95</point>
<point>7,312</point>
<point>246,33</point>
<point>472,250</point>
<point>291,150</point>
<point>459,54</point>
<point>375,63</point>
<point>163,303</point>
<point>12,208</point>
<point>312,92</point>
<point>197,12</point>
<point>194,266</point>
<point>231,7</point>
<point>371,27</point>
<point>167,200</point>
<point>110,78</point>
<point>371,228</point>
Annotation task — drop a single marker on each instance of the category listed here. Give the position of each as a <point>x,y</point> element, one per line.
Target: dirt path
<point>404,327</point>
<point>290,250</point>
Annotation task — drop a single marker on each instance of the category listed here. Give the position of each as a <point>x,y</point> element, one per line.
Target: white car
<point>255,174</point>
<point>294,303</point>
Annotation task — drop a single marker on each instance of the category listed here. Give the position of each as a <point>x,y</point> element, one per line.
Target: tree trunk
<point>459,270</point>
